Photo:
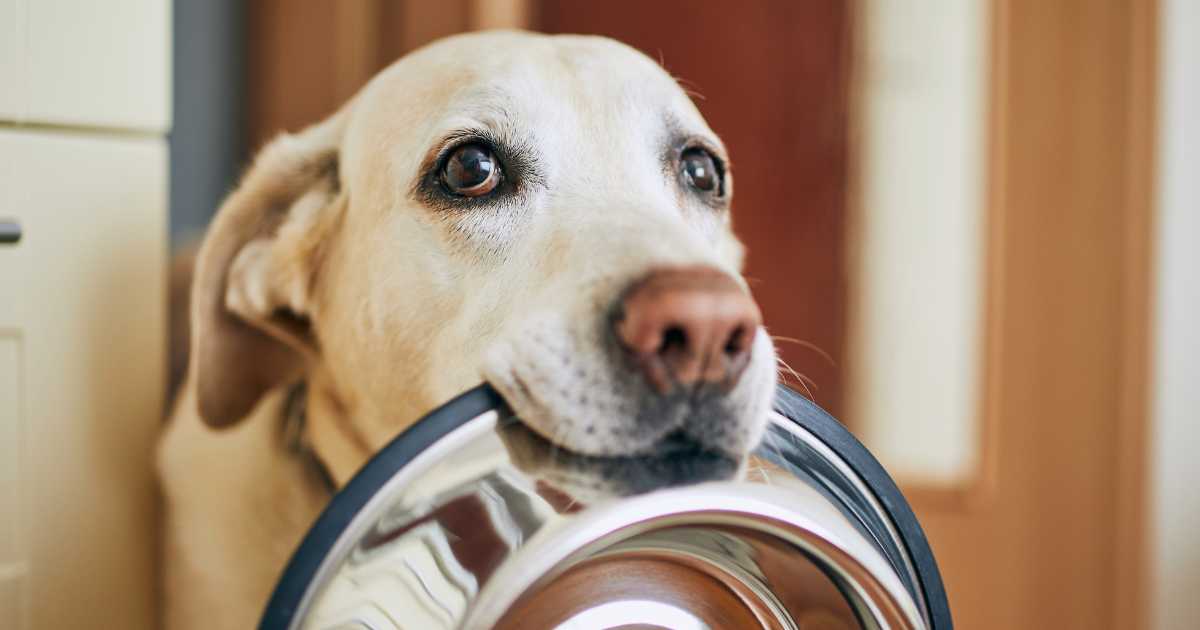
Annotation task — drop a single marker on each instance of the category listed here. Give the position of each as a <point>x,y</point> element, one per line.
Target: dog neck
<point>326,433</point>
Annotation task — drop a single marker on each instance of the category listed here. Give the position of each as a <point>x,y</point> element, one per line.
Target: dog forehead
<point>531,69</point>
<point>561,85</point>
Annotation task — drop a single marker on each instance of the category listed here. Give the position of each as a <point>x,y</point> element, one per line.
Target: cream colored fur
<point>329,264</point>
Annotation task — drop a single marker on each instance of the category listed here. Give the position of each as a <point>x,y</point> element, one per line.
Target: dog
<point>550,214</point>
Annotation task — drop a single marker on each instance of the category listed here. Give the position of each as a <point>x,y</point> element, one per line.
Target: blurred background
<point>970,228</point>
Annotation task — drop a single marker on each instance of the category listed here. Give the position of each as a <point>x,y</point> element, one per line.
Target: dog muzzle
<point>450,526</point>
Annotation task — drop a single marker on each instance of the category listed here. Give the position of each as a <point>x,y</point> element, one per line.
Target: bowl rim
<point>296,580</point>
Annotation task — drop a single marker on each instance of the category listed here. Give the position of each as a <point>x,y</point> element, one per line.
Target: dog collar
<point>295,436</point>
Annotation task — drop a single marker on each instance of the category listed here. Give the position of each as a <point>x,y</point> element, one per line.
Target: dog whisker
<point>801,380</point>
<point>787,370</point>
<point>807,345</point>
<point>762,473</point>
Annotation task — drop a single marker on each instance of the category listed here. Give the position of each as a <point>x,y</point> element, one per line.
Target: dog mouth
<point>676,459</point>
<point>677,444</point>
<point>585,408</point>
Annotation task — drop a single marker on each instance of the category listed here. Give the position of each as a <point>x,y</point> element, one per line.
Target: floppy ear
<point>252,291</point>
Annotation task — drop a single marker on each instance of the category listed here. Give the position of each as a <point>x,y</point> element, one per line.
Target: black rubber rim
<point>319,541</point>
<point>807,414</point>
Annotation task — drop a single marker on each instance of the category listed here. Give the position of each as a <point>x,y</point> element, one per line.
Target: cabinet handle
<point>10,232</point>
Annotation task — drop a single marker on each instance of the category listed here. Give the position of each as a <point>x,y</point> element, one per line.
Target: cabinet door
<point>12,58</point>
<point>82,329</point>
<point>88,64</point>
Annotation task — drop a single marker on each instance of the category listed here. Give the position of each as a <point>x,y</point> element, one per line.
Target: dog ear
<point>254,273</point>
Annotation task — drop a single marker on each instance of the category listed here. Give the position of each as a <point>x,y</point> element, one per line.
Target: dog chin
<point>590,479</point>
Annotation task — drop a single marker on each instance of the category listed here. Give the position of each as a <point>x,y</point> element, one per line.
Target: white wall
<point>1176,438</point>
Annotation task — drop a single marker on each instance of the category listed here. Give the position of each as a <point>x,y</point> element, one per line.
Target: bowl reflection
<point>488,525</point>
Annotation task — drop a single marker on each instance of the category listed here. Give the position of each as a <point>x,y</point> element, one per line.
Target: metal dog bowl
<point>467,520</point>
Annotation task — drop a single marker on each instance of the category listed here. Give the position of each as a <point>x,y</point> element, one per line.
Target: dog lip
<point>677,443</point>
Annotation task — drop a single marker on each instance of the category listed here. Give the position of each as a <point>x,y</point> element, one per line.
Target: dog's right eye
<point>471,170</point>
<point>700,169</point>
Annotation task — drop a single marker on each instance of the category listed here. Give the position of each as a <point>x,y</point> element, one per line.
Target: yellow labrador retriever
<point>549,214</point>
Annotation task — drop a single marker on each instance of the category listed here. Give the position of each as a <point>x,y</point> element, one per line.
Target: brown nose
<point>688,325</point>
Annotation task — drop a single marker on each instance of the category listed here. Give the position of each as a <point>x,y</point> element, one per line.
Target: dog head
<point>551,214</point>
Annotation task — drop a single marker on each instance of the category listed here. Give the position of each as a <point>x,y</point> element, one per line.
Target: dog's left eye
<point>471,171</point>
<point>700,170</point>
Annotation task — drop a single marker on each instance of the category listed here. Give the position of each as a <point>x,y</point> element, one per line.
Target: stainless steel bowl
<point>469,520</point>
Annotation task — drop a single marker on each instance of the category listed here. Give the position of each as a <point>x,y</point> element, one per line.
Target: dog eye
<point>700,169</point>
<point>471,171</point>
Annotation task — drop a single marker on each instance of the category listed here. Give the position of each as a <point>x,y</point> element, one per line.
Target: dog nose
<point>688,325</point>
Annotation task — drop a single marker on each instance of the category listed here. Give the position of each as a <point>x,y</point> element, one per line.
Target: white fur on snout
<point>554,380</point>
<point>563,380</point>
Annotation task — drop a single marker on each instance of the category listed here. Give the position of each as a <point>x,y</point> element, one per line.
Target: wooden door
<point>1051,531</point>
